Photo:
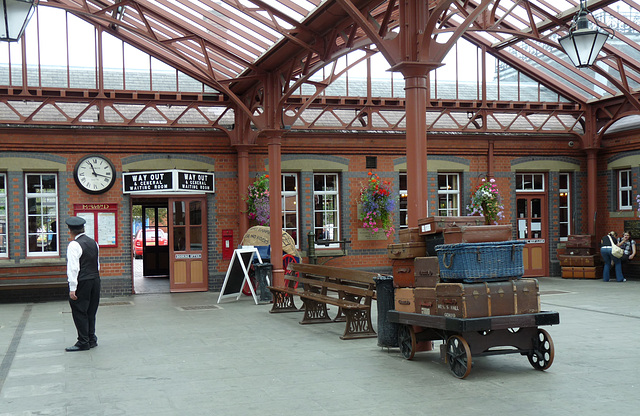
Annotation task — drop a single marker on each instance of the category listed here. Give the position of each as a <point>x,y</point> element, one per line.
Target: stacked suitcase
<point>414,273</point>
<point>580,258</point>
<point>421,288</point>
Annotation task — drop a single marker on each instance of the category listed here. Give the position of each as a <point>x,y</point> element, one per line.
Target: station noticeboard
<point>173,180</point>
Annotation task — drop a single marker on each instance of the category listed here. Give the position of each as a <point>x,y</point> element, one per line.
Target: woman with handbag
<point>611,253</point>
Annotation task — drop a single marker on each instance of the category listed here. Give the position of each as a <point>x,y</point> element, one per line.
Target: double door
<point>172,242</point>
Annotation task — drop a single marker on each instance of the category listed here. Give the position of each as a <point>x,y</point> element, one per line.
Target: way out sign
<point>173,180</point>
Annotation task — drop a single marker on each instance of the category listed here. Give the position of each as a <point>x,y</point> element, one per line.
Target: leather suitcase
<point>403,273</point>
<point>433,225</point>
<point>409,299</point>
<point>406,250</point>
<point>474,300</point>
<point>578,261</point>
<point>410,235</point>
<point>593,272</point>
<point>477,234</point>
<point>426,271</point>
<point>580,241</point>
<point>431,241</point>
<point>567,272</point>
<point>577,251</point>
<point>462,300</point>
<point>527,295</point>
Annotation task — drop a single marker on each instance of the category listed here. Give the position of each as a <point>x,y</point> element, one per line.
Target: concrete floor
<point>182,354</point>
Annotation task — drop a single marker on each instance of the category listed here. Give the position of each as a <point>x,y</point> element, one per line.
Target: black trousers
<point>84,310</point>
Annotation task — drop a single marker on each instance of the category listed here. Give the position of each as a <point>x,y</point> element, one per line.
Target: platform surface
<point>178,354</point>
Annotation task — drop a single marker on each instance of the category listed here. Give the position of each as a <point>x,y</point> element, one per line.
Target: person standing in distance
<point>83,274</point>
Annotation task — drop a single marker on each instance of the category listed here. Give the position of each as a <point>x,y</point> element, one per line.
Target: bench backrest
<point>337,279</point>
<point>332,272</point>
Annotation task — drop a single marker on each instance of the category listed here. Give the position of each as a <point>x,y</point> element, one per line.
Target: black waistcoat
<point>89,258</point>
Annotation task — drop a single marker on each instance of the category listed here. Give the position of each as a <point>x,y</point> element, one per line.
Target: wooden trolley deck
<point>471,337</point>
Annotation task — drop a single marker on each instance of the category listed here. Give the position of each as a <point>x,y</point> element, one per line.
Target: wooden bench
<point>317,286</point>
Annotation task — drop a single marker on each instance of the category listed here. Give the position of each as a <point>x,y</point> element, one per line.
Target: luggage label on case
<point>425,228</point>
<point>426,273</point>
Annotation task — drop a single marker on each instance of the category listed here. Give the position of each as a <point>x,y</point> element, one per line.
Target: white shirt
<point>74,252</point>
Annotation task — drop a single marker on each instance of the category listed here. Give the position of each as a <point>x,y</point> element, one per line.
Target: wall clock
<point>94,174</point>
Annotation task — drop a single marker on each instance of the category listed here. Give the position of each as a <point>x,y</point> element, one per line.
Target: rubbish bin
<point>387,331</point>
<point>263,279</point>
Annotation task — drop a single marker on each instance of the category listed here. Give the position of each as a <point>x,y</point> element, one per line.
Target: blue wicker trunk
<point>480,262</point>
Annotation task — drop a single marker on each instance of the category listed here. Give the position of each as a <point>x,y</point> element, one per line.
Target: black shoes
<point>77,347</point>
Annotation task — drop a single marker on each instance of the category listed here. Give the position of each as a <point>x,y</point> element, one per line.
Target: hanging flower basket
<point>258,201</point>
<point>485,201</point>
<point>377,205</point>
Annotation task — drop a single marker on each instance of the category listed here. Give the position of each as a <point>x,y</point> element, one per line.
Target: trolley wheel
<point>407,341</point>
<point>458,356</point>
<point>541,356</point>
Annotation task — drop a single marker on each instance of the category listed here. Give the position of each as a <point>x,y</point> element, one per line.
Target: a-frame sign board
<point>238,273</point>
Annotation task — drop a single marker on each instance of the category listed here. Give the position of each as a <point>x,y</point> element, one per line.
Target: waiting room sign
<point>173,180</point>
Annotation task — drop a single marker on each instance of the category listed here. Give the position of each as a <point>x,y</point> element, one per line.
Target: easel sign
<point>238,273</point>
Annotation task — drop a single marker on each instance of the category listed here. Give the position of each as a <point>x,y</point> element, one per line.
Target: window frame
<point>567,208</point>
<point>628,189</point>
<point>324,193</point>
<point>449,212</point>
<point>28,196</point>
<point>296,212</point>
<point>403,212</point>
<point>520,184</point>
<point>4,217</point>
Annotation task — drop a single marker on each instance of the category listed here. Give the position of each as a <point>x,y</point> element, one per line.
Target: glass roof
<point>219,41</point>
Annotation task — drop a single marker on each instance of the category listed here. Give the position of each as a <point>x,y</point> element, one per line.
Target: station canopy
<point>231,46</point>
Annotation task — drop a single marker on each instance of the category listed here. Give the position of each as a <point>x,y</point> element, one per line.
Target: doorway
<point>169,245</point>
<point>532,227</point>
<point>150,246</point>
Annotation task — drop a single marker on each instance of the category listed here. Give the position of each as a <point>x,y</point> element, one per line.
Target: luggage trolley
<point>465,338</point>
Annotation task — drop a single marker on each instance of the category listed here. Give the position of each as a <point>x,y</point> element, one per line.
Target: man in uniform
<point>83,274</point>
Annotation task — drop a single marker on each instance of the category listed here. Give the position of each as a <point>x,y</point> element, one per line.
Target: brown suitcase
<point>410,235</point>
<point>433,225</point>
<point>409,299</point>
<point>580,241</point>
<point>403,273</point>
<point>576,251</point>
<point>462,300</point>
<point>578,261</point>
<point>474,300</point>
<point>527,295</point>
<point>426,271</point>
<point>406,250</point>
<point>567,272</point>
<point>593,272</point>
<point>477,234</point>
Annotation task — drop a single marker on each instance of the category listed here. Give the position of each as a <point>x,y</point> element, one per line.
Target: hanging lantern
<point>14,18</point>
<point>583,44</point>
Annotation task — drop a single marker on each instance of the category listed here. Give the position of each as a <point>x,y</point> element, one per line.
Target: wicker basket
<point>480,262</point>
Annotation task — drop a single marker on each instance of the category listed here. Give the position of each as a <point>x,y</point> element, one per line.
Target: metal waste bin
<point>387,331</point>
<point>263,279</point>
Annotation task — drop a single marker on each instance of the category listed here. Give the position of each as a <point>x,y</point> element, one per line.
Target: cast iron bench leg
<point>314,312</point>
<point>358,324</point>
<point>282,302</point>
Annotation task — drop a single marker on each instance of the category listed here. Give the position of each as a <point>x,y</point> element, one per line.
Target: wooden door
<point>532,226</point>
<point>188,242</point>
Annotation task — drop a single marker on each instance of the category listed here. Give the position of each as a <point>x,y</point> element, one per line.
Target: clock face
<point>94,174</point>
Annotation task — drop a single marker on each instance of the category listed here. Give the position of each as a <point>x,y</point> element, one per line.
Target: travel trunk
<point>406,250</point>
<point>415,300</point>
<point>433,225</point>
<point>475,300</point>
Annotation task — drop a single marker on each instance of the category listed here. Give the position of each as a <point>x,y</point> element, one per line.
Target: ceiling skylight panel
<point>246,18</point>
